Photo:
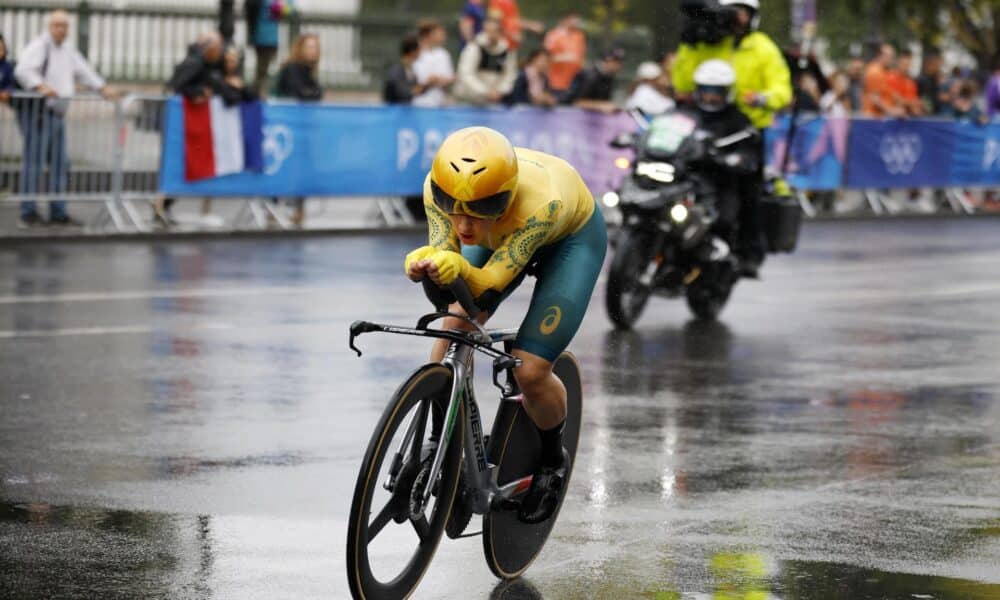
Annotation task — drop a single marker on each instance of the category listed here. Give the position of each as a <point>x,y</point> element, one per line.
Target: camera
<point>705,21</point>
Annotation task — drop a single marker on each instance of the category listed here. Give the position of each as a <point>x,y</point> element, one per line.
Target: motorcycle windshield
<point>667,133</point>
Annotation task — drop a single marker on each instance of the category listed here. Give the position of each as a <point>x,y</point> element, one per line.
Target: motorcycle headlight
<point>657,171</point>
<point>679,213</point>
<point>611,199</point>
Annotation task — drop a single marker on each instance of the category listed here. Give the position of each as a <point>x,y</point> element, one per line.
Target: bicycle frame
<point>480,476</point>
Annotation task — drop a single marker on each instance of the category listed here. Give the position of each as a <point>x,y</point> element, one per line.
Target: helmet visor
<point>712,98</point>
<point>490,207</point>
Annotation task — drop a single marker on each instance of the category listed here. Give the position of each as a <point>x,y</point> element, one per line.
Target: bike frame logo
<point>901,152</point>
<point>278,145</point>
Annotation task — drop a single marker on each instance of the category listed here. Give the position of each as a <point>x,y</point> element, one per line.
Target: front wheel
<point>626,295</point>
<point>388,554</point>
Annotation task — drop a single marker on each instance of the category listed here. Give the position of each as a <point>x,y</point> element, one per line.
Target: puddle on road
<point>48,550</point>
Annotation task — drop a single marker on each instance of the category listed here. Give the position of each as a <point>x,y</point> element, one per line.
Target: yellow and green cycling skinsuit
<point>759,65</point>
<point>552,224</point>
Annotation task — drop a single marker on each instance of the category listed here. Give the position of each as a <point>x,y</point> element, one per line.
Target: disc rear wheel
<point>511,545</point>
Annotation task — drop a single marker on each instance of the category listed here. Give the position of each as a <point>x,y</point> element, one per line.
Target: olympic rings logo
<point>900,153</point>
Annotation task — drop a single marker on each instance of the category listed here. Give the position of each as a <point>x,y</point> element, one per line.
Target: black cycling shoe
<point>543,496</point>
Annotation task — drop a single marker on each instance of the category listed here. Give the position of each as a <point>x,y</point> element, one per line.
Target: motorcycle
<point>670,242</point>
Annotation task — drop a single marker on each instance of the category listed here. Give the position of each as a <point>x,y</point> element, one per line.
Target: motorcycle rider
<point>727,168</point>
<point>727,30</point>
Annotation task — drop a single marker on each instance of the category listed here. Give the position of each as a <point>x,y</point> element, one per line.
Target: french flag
<point>222,140</point>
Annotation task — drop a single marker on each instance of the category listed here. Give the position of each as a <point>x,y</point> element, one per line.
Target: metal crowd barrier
<point>88,149</point>
<point>62,149</point>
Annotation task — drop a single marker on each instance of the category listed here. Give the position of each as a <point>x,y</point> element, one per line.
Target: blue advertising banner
<point>817,155</point>
<point>337,150</point>
<point>976,159</point>
<point>900,153</point>
<point>387,150</point>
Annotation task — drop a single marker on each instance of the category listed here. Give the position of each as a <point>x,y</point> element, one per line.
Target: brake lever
<point>502,363</point>
<point>357,328</point>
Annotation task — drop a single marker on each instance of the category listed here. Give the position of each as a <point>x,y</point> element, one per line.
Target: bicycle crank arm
<point>505,499</point>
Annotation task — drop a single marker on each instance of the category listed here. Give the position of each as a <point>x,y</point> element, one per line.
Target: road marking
<point>152,294</point>
<point>123,329</point>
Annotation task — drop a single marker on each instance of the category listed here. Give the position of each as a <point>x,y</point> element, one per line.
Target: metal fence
<point>82,149</point>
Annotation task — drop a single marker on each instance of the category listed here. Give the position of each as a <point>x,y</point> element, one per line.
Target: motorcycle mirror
<point>625,140</point>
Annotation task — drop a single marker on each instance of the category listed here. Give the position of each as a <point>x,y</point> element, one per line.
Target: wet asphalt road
<point>184,420</point>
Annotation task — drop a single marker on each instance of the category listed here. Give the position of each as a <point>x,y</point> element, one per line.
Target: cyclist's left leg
<point>566,276</point>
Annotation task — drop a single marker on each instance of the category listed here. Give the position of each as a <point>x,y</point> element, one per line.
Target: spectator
<point>50,66</point>
<point>400,88</point>
<point>513,26</point>
<point>930,84</point>
<point>836,102</point>
<point>199,75</point>
<point>487,68</point>
<point>593,87</point>
<point>6,74</point>
<point>650,92</point>
<point>807,93</point>
<point>532,85</point>
<point>808,81</point>
<point>263,17</point>
<point>232,87</point>
<point>298,80</point>
<point>197,78</point>
<point>433,67</point>
<point>993,90</point>
<point>903,87</point>
<point>964,106</point>
<point>471,21</point>
<point>855,74</point>
<point>567,47</point>
<point>878,99</point>
<point>400,83</point>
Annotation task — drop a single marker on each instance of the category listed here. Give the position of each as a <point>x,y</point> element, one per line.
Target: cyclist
<point>496,213</point>
<point>727,30</point>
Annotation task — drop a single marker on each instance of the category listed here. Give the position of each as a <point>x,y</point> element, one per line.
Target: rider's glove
<point>422,253</point>
<point>450,265</point>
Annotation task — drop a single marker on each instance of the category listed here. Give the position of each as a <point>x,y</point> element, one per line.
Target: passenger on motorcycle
<point>727,30</point>
<point>729,168</point>
<point>496,213</point>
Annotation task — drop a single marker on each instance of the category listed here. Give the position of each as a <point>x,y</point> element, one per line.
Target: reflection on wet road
<point>185,420</point>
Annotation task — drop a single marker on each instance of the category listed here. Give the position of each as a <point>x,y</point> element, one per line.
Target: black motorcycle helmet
<point>705,21</point>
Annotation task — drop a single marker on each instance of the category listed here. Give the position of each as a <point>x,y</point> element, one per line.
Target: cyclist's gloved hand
<point>422,253</point>
<point>450,265</point>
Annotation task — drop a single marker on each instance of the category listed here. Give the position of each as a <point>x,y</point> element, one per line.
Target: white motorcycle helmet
<point>713,85</point>
<point>753,5</point>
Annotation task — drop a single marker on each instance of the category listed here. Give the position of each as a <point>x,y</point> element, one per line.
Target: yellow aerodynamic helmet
<point>474,173</point>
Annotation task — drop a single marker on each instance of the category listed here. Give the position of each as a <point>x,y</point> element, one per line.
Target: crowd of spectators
<point>888,85</point>
<point>497,64</point>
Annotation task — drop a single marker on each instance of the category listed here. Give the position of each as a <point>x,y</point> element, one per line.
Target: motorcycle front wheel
<point>626,296</point>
